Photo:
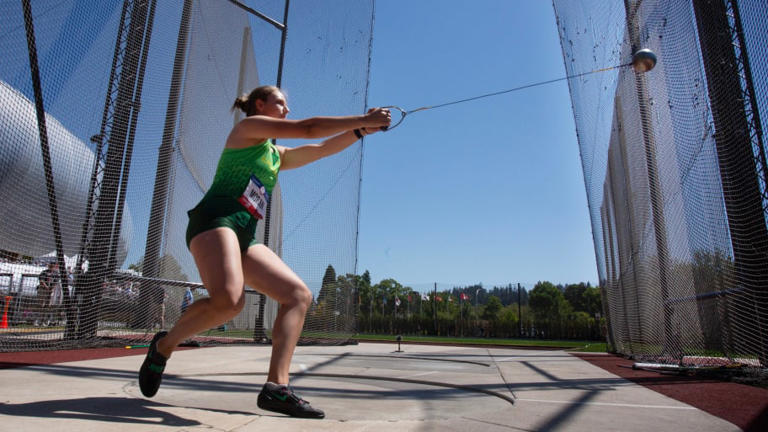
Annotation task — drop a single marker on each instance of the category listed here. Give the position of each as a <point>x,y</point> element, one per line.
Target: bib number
<point>255,198</point>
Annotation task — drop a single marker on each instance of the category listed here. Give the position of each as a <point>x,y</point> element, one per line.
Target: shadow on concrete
<point>107,409</point>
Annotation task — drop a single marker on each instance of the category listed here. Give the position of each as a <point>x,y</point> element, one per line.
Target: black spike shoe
<point>282,399</point>
<point>151,372</point>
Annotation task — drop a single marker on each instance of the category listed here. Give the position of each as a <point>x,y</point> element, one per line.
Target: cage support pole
<point>158,209</point>
<point>45,150</point>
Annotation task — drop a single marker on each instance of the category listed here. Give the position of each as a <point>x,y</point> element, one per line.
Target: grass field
<point>581,346</point>
<point>573,345</point>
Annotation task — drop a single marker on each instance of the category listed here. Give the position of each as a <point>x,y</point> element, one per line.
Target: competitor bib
<point>255,198</point>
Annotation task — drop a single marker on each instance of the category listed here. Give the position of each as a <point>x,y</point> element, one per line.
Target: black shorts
<point>227,212</point>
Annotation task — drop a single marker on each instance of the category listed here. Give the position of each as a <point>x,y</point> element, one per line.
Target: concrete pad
<point>368,387</point>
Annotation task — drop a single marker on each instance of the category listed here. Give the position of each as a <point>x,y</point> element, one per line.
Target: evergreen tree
<point>328,288</point>
<point>492,309</point>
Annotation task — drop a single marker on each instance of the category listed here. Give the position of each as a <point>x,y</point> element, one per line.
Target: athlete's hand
<point>377,118</point>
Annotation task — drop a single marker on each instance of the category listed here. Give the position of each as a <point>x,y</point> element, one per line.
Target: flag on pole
<point>397,301</point>
<point>438,298</point>
<point>464,296</point>
<point>424,296</point>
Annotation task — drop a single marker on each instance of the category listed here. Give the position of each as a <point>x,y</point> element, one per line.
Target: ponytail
<point>241,103</point>
<point>247,102</point>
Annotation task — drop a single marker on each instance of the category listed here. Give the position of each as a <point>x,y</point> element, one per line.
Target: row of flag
<point>425,297</point>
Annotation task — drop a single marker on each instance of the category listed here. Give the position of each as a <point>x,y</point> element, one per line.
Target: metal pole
<point>46,151</point>
<point>654,183</point>
<point>241,75</point>
<point>135,108</point>
<point>162,174</point>
<point>258,14</point>
<point>283,38</point>
<point>158,210</point>
<point>99,269</point>
<point>434,308</point>
<point>268,218</point>
<point>461,315</point>
<point>739,171</point>
<point>519,310</point>
<point>279,82</point>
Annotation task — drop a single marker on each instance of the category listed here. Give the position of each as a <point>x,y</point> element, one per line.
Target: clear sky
<point>489,191</point>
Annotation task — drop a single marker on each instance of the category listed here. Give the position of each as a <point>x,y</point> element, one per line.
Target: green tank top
<point>236,166</point>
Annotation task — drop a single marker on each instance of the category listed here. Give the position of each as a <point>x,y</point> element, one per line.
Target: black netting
<point>135,97</point>
<point>674,163</point>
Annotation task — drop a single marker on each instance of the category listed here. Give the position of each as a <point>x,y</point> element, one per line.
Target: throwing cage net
<point>113,117</point>
<point>674,163</point>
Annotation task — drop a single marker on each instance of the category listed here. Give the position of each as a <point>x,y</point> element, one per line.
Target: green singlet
<point>221,205</point>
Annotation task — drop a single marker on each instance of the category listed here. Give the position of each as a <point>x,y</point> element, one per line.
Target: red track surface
<point>27,358</point>
<point>743,405</point>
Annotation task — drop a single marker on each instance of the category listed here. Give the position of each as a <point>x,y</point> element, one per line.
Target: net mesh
<point>113,117</point>
<point>674,167</point>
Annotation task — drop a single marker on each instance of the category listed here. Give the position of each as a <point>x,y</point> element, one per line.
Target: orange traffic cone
<point>4,322</point>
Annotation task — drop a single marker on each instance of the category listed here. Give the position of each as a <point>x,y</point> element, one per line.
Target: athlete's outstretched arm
<point>294,157</point>
<point>255,129</point>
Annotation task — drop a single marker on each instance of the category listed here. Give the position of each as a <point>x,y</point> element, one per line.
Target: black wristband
<point>358,134</point>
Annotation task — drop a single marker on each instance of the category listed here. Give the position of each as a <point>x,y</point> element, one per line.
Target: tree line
<point>571,311</point>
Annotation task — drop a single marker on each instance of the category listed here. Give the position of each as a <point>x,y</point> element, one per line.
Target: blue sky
<point>489,191</point>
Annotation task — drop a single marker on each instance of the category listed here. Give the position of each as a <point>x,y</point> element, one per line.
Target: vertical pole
<point>162,174</point>
<point>739,173</point>
<point>519,309</point>
<point>99,268</point>
<point>268,218</point>
<point>654,184</point>
<point>157,215</point>
<point>283,38</point>
<point>135,108</point>
<point>608,282</point>
<point>46,152</point>
<point>278,83</point>
<point>241,76</point>
<point>623,165</point>
<point>434,308</point>
<point>461,315</point>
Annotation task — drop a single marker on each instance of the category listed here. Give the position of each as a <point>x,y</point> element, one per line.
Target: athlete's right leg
<point>217,255</point>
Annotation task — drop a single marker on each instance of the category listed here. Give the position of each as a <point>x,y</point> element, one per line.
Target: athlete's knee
<point>229,304</point>
<point>301,296</point>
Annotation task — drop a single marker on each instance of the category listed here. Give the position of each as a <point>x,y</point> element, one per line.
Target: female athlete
<point>221,229</point>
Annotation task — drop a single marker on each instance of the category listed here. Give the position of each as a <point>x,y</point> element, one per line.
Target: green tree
<point>545,300</point>
<point>492,309</point>
<point>366,295</point>
<point>574,293</point>
<point>387,289</point>
<point>508,322</point>
<point>327,292</point>
<point>592,300</point>
<point>346,296</point>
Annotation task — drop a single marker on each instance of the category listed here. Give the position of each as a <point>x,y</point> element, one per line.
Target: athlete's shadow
<point>108,409</point>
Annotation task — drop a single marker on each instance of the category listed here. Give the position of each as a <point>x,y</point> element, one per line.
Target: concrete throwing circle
<point>421,391</point>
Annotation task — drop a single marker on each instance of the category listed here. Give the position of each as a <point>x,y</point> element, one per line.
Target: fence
<point>675,172</point>
<point>113,117</point>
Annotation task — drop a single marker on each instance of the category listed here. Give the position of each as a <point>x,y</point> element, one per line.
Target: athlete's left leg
<point>264,271</point>
<point>267,273</point>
